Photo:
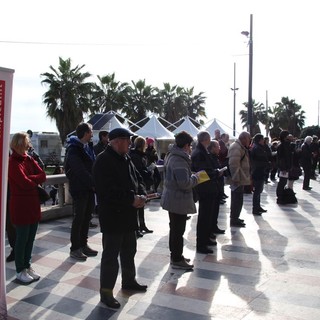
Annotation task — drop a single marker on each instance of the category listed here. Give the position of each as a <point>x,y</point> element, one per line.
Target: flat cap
<point>119,133</point>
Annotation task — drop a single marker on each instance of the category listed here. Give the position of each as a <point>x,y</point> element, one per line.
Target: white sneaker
<point>33,274</point>
<point>24,277</point>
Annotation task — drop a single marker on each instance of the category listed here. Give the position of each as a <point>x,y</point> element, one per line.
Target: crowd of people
<point>117,176</point>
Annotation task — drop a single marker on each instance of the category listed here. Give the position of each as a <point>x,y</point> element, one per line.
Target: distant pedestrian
<point>239,165</point>
<point>259,166</point>
<point>102,143</point>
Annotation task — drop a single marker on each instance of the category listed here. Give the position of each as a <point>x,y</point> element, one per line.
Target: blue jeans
<point>24,245</point>
<point>83,208</point>
<point>258,188</point>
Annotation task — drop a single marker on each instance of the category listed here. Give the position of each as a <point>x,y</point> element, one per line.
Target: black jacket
<point>116,181</point>
<point>259,161</point>
<point>78,168</point>
<point>139,159</point>
<point>200,160</point>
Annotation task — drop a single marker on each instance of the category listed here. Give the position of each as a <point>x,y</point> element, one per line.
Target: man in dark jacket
<point>120,192</point>
<point>78,169</point>
<point>259,165</point>
<point>208,192</point>
<point>102,143</point>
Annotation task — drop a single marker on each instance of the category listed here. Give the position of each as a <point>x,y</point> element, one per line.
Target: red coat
<point>24,176</point>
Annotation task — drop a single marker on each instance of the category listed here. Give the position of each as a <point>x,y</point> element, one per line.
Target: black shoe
<point>222,202</point>
<point>89,252</point>
<point>237,223</point>
<point>135,286</point>
<point>204,250</point>
<point>212,242</point>
<point>307,188</point>
<point>241,220</point>
<point>110,301</point>
<point>256,213</point>
<point>139,234</point>
<point>213,236</point>
<point>145,229</point>
<point>280,201</point>
<point>218,231</point>
<point>225,196</point>
<point>10,257</point>
<point>262,210</point>
<point>188,217</point>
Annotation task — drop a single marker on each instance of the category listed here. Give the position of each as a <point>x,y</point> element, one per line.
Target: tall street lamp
<point>250,104</point>
<point>234,89</point>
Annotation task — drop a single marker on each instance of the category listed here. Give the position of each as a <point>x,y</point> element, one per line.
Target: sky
<point>190,43</point>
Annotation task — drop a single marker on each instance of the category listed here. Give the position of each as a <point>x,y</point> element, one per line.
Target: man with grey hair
<point>208,192</point>
<point>306,162</point>
<point>239,166</point>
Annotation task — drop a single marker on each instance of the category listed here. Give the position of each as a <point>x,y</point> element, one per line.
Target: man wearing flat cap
<point>120,192</point>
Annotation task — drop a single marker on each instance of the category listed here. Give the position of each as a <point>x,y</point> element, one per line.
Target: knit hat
<point>149,140</point>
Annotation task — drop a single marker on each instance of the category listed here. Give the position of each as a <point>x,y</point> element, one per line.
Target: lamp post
<point>234,89</point>
<point>250,104</point>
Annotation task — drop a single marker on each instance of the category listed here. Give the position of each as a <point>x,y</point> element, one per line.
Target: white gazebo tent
<point>187,126</point>
<point>105,121</point>
<point>156,130</point>
<point>216,124</point>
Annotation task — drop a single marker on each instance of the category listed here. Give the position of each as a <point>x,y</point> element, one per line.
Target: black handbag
<point>43,194</point>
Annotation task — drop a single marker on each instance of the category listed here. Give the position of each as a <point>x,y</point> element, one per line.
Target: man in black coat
<point>208,192</point>
<point>78,168</point>
<point>120,192</point>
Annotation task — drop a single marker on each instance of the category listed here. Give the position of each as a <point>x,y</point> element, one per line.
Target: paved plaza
<point>268,270</point>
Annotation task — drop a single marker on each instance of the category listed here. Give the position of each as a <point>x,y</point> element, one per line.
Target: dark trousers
<point>306,176</point>
<point>156,179</point>
<point>10,228</point>
<point>236,203</point>
<point>280,187</point>
<point>177,227</point>
<point>24,245</point>
<point>83,207</point>
<point>206,216</point>
<point>141,220</point>
<point>258,188</point>
<point>114,244</point>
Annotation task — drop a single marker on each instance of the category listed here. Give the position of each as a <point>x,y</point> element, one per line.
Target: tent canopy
<point>154,129</point>
<point>187,126</point>
<point>216,124</point>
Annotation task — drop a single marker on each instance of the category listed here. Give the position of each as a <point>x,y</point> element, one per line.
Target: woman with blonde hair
<point>24,176</point>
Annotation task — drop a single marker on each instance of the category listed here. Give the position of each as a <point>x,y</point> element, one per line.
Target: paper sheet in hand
<point>203,176</point>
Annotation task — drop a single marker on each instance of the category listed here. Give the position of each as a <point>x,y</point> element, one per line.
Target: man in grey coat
<point>177,197</point>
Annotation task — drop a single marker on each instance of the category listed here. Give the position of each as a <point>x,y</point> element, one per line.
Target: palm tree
<point>68,97</point>
<point>287,115</point>
<point>173,101</point>
<point>109,94</point>
<point>195,104</point>
<point>258,114</point>
<point>140,100</point>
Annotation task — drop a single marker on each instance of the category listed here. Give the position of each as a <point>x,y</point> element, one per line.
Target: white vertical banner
<point>6,79</point>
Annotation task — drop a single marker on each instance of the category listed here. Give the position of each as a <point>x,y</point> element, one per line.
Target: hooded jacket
<point>177,196</point>
<point>78,167</point>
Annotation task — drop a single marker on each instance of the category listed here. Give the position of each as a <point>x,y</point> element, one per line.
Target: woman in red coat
<point>25,212</point>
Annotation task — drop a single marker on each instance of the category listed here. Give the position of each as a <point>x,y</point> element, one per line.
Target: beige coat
<point>239,164</point>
